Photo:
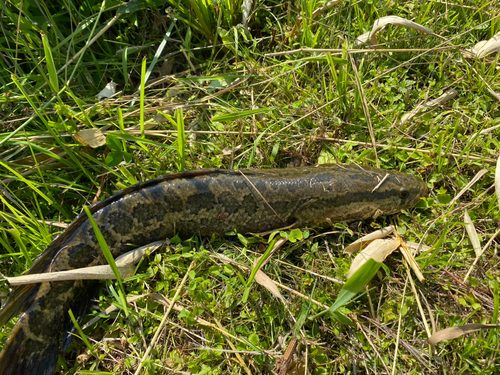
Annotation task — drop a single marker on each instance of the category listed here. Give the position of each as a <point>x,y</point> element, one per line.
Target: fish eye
<point>403,193</point>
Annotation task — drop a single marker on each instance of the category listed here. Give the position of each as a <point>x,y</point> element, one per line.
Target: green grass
<point>197,90</point>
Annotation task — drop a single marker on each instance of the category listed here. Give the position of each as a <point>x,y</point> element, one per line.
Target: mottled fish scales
<point>186,204</point>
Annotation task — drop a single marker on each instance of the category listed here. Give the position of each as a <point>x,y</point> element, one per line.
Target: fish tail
<point>33,345</point>
<point>20,299</point>
<point>23,296</point>
<point>25,352</point>
<point>83,293</point>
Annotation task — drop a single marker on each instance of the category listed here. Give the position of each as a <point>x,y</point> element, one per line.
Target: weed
<point>198,89</point>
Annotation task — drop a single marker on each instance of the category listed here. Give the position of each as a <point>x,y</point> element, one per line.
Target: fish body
<point>201,203</point>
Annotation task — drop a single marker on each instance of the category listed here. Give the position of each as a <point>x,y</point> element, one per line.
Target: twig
<point>365,109</point>
<point>260,194</point>
<point>398,334</point>
<point>338,51</point>
<point>479,255</point>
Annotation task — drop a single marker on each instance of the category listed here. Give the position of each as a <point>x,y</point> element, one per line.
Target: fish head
<point>346,193</point>
<point>399,191</point>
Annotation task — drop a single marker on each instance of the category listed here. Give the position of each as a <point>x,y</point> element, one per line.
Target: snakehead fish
<point>187,204</point>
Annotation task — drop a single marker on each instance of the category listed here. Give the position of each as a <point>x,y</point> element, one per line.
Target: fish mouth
<point>420,192</point>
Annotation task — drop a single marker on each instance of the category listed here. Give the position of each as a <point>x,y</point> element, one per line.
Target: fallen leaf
<point>166,67</point>
<point>371,37</point>
<point>246,8</point>
<point>107,91</point>
<point>134,256</point>
<point>86,273</point>
<point>125,264</point>
<point>91,137</point>
<point>486,47</point>
<point>478,175</point>
<point>264,280</point>
<point>471,231</point>
<point>481,252</point>
<point>411,260</point>
<point>284,364</point>
<point>447,96</point>
<point>418,247</point>
<point>378,250</point>
<point>40,157</point>
<point>365,240</point>
<point>458,331</point>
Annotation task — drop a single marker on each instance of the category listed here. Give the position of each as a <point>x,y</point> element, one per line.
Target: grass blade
<point>181,140</point>
<point>143,83</point>
<point>256,268</point>
<point>80,332</point>
<point>54,82</point>
<point>241,114</point>
<point>109,258</point>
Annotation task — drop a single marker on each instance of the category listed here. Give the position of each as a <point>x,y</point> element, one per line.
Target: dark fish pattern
<point>203,203</point>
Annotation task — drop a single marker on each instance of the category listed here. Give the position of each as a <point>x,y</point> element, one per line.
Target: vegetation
<point>219,84</point>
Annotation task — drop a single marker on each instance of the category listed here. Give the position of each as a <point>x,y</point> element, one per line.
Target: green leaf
<point>131,7</point>
<point>304,311</point>
<point>183,314</point>
<point>255,144</point>
<point>17,237</point>
<point>30,183</point>
<point>254,339</point>
<point>295,235</point>
<point>113,159</point>
<point>354,285</point>
<point>113,143</point>
<point>243,239</point>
